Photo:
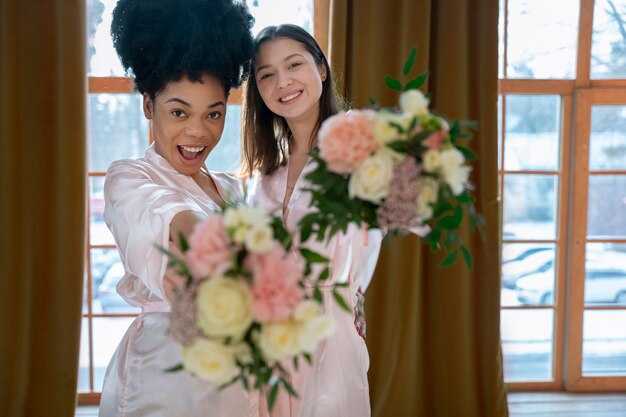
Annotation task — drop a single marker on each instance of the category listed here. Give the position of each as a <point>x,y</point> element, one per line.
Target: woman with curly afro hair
<point>184,56</point>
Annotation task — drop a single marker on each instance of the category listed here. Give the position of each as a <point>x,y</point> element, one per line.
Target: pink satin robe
<point>336,384</point>
<point>141,198</point>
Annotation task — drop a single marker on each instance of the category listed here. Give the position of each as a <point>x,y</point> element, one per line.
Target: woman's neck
<point>301,138</point>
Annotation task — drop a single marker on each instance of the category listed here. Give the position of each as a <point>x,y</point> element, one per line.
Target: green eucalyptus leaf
<point>416,82</point>
<point>176,368</point>
<point>393,83</point>
<point>450,259</point>
<point>408,64</point>
<point>467,256</point>
<point>342,303</point>
<point>272,397</point>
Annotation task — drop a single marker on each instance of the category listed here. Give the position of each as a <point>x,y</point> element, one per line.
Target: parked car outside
<point>531,261</point>
<point>110,300</point>
<point>603,284</point>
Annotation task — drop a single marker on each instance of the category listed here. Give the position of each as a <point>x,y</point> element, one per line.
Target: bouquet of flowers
<point>400,169</point>
<point>246,305</point>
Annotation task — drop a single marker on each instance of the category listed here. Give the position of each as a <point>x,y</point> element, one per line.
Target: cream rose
<point>254,216</point>
<point>424,210</point>
<point>314,330</point>
<point>279,340</point>
<point>429,190</point>
<point>210,360</point>
<point>224,307</point>
<point>453,171</point>
<point>384,132</point>
<point>306,310</point>
<point>414,101</point>
<point>370,181</point>
<point>259,239</point>
<point>431,160</point>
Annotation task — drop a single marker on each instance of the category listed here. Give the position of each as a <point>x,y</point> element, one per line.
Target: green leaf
<point>467,153</point>
<point>324,274</point>
<point>467,256</point>
<point>317,295</point>
<point>408,64</point>
<point>272,397</point>
<point>342,303</point>
<point>289,389</point>
<point>398,146</point>
<point>313,256</point>
<point>375,104</point>
<point>175,368</point>
<point>416,82</point>
<point>450,259</point>
<point>184,246</point>
<point>448,222</point>
<point>393,83</point>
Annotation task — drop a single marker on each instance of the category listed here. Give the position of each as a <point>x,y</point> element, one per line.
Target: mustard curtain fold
<point>433,334</point>
<point>42,208</point>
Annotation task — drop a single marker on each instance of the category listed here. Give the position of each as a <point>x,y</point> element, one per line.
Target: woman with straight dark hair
<point>288,94</point>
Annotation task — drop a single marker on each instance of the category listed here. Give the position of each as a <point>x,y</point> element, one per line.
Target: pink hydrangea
<point>275,289</point>
<point>209,249</point>
<point>347,139</point>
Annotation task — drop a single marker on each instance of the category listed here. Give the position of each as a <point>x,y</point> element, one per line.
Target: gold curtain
<point>42,215</point>
<point>433,334</point>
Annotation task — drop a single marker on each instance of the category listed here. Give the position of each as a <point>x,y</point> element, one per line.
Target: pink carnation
<point>347,139</point>
<point>275,289</point>
<point>209,249</point>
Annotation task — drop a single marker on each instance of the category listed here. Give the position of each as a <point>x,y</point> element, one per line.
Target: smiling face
<point>187,121</point>
<point>289,80</point>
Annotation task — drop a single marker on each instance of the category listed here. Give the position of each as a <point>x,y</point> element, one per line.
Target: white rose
<point>414,101</point>
<point>224,307</point>
<point>210,360</point>
<point>424,210</point>
<point>260,239</point>
<point>306,310</point>
<point>429,190</point>
<point>314,330</point>
<point>242,352</point>
<point>240,233</point>
<point>370,181</point>
<point>232,219</point>
<point>279,340</point>
<point>431,160</point>
<point>453,171</point>
<point>384,132</point>
<point>254,216</point>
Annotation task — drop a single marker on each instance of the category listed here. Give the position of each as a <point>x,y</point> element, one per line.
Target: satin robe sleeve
<point>138,212</point>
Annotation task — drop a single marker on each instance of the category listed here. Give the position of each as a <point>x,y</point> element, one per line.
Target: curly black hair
<point>160,41</point>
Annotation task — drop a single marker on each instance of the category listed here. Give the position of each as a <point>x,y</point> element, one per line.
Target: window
<point>562,168</point>
<point>118,129</point>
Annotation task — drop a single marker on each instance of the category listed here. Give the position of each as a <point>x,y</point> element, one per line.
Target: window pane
<point>530,206</point>
<point>117,129</point>
<point>604,343</point>
<point>530,265</point>
<point>99,233</point>
<point>107,333</point>
<point>532,134</point>
<point>605,278</point>
<point>226,155</point>
<point>83,359</point>
<point>275,12</point>
<point>606,212</point>
<point>542,38</point>
<point>608,138</point>
<point>501,39</point>
<point>102,59</point>
<point>500,101</point>
<point>527,344</point>
<point>608,50</point>
<point>105,298</point>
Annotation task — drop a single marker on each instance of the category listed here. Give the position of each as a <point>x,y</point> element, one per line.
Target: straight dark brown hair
<point>266,136</point>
